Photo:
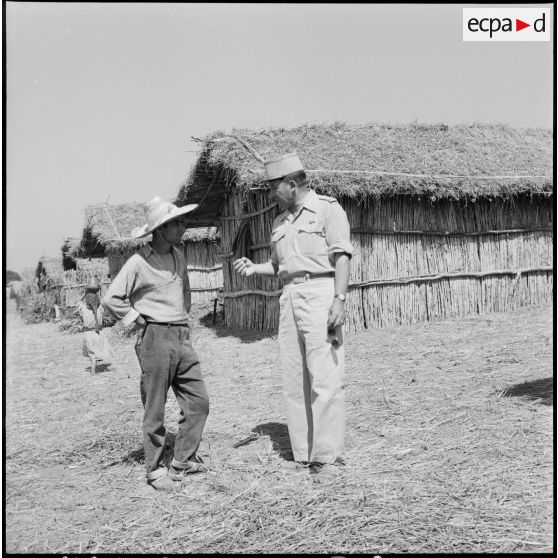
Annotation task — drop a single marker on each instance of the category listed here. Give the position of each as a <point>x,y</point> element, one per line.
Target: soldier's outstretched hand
<point>244,266</point>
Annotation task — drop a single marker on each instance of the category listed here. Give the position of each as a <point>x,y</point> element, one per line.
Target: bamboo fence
<point>414,259</point>
<point>71,286</point>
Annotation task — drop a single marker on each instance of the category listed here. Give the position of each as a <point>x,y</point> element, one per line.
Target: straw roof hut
<point>52,266</point>
<point>109,228</point>
<point>49,274</point>
<point>445,220</point>
<point>107,232</point>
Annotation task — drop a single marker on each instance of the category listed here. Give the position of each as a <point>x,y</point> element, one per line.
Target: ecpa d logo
<point>506,24</point>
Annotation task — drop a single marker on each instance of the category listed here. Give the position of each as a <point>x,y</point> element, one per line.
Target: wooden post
<point>215,309</point>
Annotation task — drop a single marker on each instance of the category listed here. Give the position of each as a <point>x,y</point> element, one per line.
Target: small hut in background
<point>49,276</point>
<point>51,265</point>
<point>107,233</point>
<point>445,220</point>
<point>49,268</point>
<point>108,230</point>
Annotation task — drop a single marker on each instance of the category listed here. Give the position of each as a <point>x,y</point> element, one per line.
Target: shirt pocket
<point>312,239</point>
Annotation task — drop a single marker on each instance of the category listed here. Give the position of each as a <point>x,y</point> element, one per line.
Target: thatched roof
<point>71,247</point>
<point>112,225</point>
<point>52,266</point>
<point>465,161</point>
<point>95,266</point>
<point>200,234</point>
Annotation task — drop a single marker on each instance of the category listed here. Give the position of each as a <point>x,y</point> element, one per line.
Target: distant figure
<point>95,345</point>
<point>17,290</point>
<point>43,281</point>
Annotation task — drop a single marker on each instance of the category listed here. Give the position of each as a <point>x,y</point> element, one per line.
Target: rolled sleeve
<point>338,231</point>
<point>273,259</point>
<point>130,317</point>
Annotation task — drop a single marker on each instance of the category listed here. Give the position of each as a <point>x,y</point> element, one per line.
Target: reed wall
<point>251,311</point>
<point>70,286</point>
<point>99,267</point>
<point>117,259</point>
<point>415,259</point>
<point>205,270</point>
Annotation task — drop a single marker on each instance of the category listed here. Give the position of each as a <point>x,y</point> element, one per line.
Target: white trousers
<point>313,372</point>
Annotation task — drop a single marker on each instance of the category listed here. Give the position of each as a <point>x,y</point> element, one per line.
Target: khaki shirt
<point>306,242</point>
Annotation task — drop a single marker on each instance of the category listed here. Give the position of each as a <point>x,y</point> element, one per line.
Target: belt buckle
<point>302,278</point>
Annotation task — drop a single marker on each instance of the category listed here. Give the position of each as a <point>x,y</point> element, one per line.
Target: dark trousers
<point>167,359</point>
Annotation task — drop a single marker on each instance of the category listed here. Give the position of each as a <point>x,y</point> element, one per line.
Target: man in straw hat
<point>311,252</point>
<point>152,290</point>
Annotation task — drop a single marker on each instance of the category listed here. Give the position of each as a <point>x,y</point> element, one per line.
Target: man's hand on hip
<point>139,324</point>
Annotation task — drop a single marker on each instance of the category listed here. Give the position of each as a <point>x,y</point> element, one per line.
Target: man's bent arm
<point>342,271</point>
<point>267,268</point>
<point>116,300</point>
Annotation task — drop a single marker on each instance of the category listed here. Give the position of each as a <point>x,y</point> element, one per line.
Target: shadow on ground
<point>101,368</point>
<point>536,389</point>
<point>138,455</point>
<point>245,335</point>
<point>279,435</point>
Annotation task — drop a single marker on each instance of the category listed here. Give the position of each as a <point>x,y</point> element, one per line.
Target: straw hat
<point>158,212</point>
<point>287,164</point>
<point>92,284</point>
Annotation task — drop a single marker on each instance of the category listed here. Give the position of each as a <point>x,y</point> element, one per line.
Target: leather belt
<point>167,324</point>
<point>303,277</point>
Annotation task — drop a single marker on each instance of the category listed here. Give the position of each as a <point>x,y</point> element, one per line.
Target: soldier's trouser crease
<point>313,372</point>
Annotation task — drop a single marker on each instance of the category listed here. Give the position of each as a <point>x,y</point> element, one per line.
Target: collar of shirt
<point>146,250</point>
<point>311,202</point>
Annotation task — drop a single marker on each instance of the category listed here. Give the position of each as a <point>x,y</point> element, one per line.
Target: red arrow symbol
<point>519,25</point>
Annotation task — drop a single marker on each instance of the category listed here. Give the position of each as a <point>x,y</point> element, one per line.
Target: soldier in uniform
<point>311,253</point>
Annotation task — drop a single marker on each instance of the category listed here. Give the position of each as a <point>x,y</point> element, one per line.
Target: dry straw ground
<point>449,447</point>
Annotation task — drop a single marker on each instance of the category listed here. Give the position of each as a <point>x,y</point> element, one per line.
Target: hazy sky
<point>102,99</point>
